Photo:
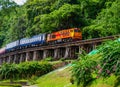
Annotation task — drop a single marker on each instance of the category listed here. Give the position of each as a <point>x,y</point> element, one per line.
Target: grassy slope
<point>61,78</point>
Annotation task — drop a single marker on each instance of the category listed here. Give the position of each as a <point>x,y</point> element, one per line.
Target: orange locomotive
<point>64,35</point>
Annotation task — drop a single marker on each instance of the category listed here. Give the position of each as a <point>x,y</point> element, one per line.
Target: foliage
<point>9,71</point>
<point>24,70</point>
<point>62,59</point>
<point>60,78</point>
<point>106,23</point>
<point>105,63</point>
<point>83,70</point>
<point>61,18</point>
<point>96,18</point>
<point>48,59</point>
<point>110,62</point>
<point>10,85</point>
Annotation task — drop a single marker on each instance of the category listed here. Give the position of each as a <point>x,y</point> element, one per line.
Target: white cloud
<point>19,2</point>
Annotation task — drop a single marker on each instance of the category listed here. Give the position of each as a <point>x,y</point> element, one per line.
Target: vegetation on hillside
<point>25,70</point>
<point>62,78</point>
<point>96,18</point>
<point>104,64</point>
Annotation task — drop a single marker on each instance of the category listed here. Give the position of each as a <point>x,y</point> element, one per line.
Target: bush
<point>62,59</point>
<point>104,63</point>
<point>110,62</point>
<point>9,71</point>
<point>82,70</point>
<point>48,59</point>
<point>24,70</point>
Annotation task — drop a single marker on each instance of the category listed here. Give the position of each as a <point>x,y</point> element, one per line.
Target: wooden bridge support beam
<point>45,54</point>
<point>80,49</point>
<point>51,53</point>
<point>61,53</point>
<point>35,55</point>
<point>41,54</point>
<point>90,47</point>
<point>27,56</point>
<point>67,52</point>
<point>1,61</point>
<point>73,52</point>
<point>18,59</point>
<point>94,45</point>
<point>22,57</point>
<point>31,55</point>
<point>9,59</point>
<point>5,60</point>
<point>56,54</point>
<point>15,58</point>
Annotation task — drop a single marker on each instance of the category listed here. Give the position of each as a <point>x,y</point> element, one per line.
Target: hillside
<point>58,78</point>
<point>61,78</point>
<point>96,18</point>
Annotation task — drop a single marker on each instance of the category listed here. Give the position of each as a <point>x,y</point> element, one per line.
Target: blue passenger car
<point>35,40</point>
<point>12,46</point>
<point>38,39</point>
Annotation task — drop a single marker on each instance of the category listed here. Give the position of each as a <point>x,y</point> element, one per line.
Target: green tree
<point>110,52</point>
<point>9,71</point>
<point>8,8</point>
<point>107,22</point>
<point>17,29</point>
<point>83,70</point>
<point>61,18</point>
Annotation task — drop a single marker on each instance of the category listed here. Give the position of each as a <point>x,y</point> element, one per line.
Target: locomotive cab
<point>77,34</point>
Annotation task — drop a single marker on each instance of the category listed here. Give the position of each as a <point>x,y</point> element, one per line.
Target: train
<point>61,36</point>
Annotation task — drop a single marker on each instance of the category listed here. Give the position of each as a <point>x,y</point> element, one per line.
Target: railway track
<point>60,45</point>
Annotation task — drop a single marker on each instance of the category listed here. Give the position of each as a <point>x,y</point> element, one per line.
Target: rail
<point>60,45</point>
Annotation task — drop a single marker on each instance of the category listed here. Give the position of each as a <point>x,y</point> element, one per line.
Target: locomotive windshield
<point>77,30</point>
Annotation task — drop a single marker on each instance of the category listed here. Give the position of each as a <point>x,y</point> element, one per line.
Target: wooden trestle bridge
<point>68,50</point>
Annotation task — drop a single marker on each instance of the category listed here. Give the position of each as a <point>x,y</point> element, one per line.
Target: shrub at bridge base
<point>82,71</point>
<point>24,70</point>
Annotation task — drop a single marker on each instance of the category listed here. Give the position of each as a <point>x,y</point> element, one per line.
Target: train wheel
<point>55,42</point>
<point>63,40</point>
<point>66,39</point>
<point>69,39</point>
<point>50,43</point>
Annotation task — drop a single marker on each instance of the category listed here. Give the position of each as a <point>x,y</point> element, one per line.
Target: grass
<point>61,78</point>
<point>5,86</point>
<point>6,83</point>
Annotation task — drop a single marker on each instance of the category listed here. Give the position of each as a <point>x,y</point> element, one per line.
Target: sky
<point>19,2</point>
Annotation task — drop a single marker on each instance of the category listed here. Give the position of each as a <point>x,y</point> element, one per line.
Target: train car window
<point>53,36</point>
<point>71,30</point>
<point>77,30</point>
<point>42,38</point>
